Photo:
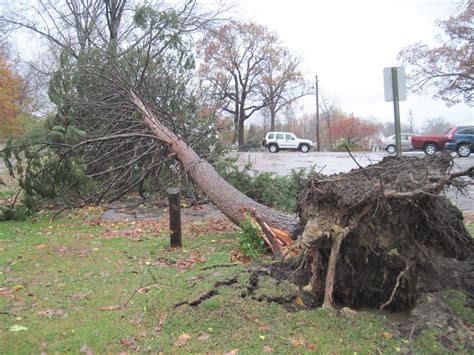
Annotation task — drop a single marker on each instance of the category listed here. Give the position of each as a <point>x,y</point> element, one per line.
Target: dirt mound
<point>382,235</point>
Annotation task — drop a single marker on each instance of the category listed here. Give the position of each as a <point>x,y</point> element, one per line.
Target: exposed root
<point>337,239</point>
<point>395,288</point>
<point>209,294</point>
<point>394,216</point>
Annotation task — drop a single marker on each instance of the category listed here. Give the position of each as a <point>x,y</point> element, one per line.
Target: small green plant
<point>250,243</point>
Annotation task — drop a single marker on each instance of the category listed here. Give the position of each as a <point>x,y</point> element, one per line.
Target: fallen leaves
<point>386,335</point>
<point>212,225</point>
<point>162,321</point>
<point>236,255</point>
<point>147,288</point>
<point>204,336</point>
<point>296,342</point>
<point>194,258</point>
<point>299,301</point>
<point>7,292</point>
<point>17,328</point>
<point>110,308</point>
<point>267,349</point>
<point>127,341</point>
<point>182,340</point>
<point>136,233</point>
<point>49,313</point>
<point>86,350</point>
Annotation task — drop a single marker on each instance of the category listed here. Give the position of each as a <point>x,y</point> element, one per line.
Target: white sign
<point>388,88</point>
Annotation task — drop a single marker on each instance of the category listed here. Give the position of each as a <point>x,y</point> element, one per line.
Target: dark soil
<point>400,239</point>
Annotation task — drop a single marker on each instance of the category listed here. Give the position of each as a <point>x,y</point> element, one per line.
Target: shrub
<point>267,188</point>
<point>250,242</point>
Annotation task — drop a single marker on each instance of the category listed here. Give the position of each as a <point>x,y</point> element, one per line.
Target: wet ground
<point>134,209</point>
<point>329,163</point>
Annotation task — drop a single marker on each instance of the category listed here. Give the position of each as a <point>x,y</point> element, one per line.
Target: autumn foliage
<point>10,90</point>
<point>352,130</point>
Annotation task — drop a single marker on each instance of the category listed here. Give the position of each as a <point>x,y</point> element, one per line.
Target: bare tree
<point>236,57</point>
<point>282,82</point>
<point>328,108</point>
<point>448,68</point>
<point>437,125</point>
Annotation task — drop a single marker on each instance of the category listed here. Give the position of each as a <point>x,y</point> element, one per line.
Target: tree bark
<point>228,199</point>
<point>241,135</point>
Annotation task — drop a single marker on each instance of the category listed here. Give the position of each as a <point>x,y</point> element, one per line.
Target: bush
<point>250,243</point>
<point>45,171</point>
<point>342,146</point>
<point>267,188</point>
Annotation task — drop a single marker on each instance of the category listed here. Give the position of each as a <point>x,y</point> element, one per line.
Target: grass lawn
<point>80,285</point>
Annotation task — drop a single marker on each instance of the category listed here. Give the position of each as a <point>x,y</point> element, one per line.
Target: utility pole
<point>410,119</point>
<point>318,144</point>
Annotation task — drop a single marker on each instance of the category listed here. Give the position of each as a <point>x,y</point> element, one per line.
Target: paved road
<point>331,162</point>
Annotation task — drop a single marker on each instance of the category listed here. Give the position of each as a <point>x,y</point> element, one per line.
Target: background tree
<point>436,126</point>
<point>352,130</point>
<point>388,128</point>
<point>235,60</point>
<point>282,81</point>
<point>328,109</point>
<point>449,68</point>
<point>10,93</point>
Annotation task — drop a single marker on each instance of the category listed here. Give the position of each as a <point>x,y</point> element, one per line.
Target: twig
<point>153,276</point>
<point>219,266</point>
<point>355,161</point>
<point>8,313</point>
<point>135,292</point>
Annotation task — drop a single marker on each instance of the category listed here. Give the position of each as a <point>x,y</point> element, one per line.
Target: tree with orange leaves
<point>10,91</point>
<point>352,130</point>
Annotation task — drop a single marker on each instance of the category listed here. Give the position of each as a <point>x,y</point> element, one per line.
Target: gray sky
<point>347,43</point>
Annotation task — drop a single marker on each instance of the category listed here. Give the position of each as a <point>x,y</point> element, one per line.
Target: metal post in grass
<point>174,199</point>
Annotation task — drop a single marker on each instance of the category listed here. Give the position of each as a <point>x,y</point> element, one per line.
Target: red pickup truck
<point>429,144</point>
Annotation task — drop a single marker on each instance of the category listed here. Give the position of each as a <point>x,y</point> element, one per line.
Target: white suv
<point>275,141</point>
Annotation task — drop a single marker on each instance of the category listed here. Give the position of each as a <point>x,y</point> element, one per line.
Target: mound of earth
<point>381,236</point>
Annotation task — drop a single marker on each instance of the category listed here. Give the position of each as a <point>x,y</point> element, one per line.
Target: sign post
<point>395,90</point>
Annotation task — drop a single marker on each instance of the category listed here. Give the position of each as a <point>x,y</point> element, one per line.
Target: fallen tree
<point>384,228</point>
<point>375,236</point>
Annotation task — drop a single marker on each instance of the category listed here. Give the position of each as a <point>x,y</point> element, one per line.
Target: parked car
<point>389,144</point>
<point>429,144</point>
<point>461,140</point>
<point>276,141</point>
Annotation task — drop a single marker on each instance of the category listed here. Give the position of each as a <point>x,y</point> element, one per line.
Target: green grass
<point>470,229</point>
<point>112,287</point>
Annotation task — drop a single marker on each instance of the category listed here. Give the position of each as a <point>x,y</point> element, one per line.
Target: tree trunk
<point>272,117</point>
<point>241,135</point>
<point>228,199</point>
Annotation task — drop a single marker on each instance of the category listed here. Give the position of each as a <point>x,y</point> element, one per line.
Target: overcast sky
<point>347,43</point>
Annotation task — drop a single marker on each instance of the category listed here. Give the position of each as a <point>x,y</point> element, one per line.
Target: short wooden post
<point>174,199</point>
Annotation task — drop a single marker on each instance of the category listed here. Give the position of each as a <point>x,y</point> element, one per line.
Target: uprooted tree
<point>375,236</point>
